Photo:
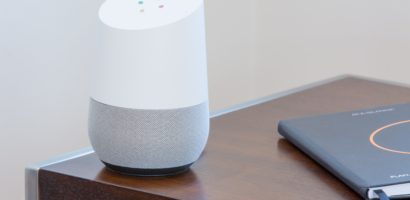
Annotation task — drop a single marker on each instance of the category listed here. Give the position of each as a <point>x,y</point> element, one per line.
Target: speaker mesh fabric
<point>148,139</point>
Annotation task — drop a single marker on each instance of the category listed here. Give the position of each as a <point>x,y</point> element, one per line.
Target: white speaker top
<point>145,14</point>
<point>152,54</point>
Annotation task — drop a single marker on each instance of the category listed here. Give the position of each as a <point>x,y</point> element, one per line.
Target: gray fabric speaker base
<point>148,139</point>
<point>148,172</point>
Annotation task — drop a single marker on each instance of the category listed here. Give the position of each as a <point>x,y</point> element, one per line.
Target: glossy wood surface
<point>245,157</point>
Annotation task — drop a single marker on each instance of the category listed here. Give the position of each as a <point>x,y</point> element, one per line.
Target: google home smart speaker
<point>149,93</point>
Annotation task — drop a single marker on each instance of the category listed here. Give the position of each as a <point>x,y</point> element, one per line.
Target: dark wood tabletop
<point>245,157</point>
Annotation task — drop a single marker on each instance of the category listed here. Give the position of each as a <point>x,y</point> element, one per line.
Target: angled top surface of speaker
<point>145,14</point>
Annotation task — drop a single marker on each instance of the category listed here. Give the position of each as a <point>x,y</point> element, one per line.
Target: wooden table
<point>244,159</point>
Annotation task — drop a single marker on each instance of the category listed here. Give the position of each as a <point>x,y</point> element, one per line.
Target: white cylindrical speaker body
<point>149,110</point>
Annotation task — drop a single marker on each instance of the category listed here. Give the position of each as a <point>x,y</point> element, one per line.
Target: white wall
<point>299,41</point>
<point>256,47</point>
<point>229,52</point>
<point>45,49</point>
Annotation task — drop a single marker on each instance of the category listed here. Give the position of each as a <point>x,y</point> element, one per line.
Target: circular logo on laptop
<point>394,137</point>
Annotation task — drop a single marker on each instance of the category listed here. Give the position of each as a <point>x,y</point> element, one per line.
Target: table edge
<point>31,172</point>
